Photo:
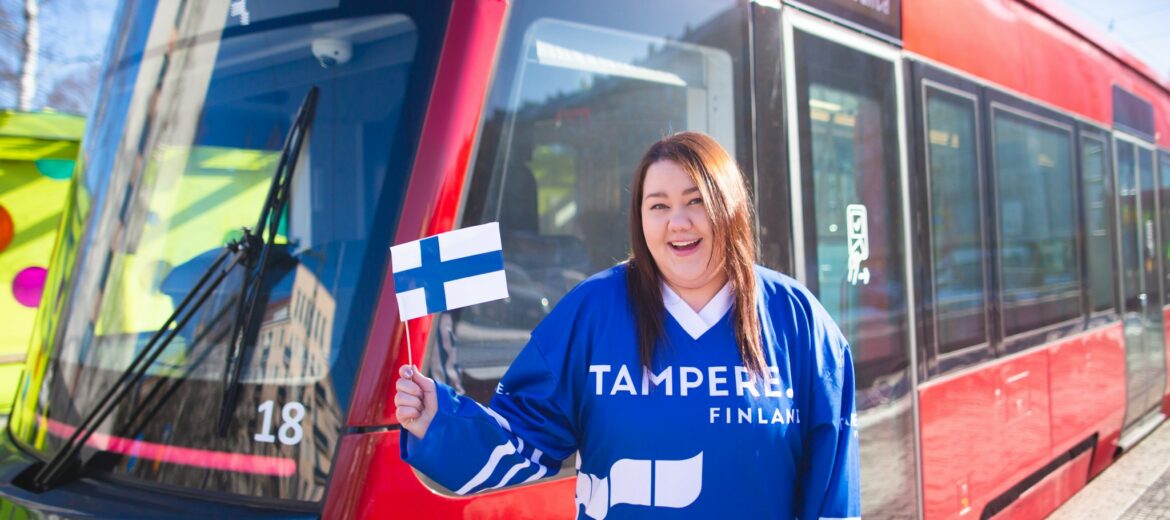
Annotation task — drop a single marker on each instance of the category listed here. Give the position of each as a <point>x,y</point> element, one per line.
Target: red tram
<point>975,190</point>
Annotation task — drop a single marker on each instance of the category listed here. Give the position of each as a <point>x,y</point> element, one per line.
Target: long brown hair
<point>726,200</point>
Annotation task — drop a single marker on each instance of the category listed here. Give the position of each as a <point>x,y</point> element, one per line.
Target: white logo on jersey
<point>675,484</point>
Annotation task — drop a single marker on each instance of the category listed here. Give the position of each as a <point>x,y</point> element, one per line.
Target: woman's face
<point>677,230</point>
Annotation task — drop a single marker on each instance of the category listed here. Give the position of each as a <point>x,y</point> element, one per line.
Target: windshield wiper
<point>41,478</point>
<point>65,460</point>
<point>244,330</point>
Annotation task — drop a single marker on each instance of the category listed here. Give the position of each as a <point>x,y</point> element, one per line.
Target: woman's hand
<point>415,400</point>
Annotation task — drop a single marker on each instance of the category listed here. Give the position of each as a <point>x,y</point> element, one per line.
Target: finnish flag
<point>449,270</point>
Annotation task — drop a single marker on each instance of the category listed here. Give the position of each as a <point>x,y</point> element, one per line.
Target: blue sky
<point>1140,25</point>
<point>73,37</point>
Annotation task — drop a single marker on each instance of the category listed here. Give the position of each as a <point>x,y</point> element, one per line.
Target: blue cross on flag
<point>449,270</point>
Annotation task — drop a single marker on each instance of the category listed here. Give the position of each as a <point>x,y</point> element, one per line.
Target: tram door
<point>1145,350</point>
<point>845,142</point>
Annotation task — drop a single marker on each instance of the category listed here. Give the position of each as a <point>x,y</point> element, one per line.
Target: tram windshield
<point>196,101</point>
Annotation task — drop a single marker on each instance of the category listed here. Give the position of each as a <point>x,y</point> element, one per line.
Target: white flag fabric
<point>449,270</point>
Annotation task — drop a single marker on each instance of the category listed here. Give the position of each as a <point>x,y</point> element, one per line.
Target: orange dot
<point>6,228</point>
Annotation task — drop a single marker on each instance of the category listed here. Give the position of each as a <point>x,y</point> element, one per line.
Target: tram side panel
<point>1166,325</point>
<point>985,431</point>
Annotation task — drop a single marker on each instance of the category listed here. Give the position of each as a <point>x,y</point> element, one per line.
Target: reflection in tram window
<point>1099,231</point>
<point>1037,223</point>
<point>852,161</point>
<point>956,222</point>
<point>202,138</point>
<point>579,98</point>
<point>850,171</point>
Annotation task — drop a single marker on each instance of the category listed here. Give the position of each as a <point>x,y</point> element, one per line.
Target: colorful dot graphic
<point>56,169</point>
<point>6,229</point>
<point>28,285</point>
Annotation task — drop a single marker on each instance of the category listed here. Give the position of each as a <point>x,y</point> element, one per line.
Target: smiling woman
<point>764,378</point>
<point>692,236</point>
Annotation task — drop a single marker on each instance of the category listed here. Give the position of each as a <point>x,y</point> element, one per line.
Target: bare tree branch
<point>32,44</point>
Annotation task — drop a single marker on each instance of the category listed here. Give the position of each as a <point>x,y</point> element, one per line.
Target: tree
<point>32,46</point>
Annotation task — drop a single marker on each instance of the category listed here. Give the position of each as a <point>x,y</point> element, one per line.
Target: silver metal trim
<point>908,279</point>
<point>1140,429</point>
<point>794,173</point>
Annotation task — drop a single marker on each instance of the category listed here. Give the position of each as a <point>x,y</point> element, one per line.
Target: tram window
<point>852,220</point>
<point>1099,230</point>
<point>847,118</point>
<point>580,94</point>
<point>1037,223</point>
<point>1127,191</point>
<point>956,229</point>
<point>1164,191</point>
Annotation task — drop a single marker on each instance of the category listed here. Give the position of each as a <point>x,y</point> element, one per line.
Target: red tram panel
<point>432,197</point>
<point>985,430</point>
<point>1025,51</point>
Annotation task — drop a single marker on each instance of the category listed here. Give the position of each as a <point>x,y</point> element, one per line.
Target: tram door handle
<point>1013,395</point>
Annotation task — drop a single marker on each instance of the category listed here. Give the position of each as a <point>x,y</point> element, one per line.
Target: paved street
<point>1136,487</point>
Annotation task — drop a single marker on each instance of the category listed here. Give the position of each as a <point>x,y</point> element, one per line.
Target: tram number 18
<point>290,432</point>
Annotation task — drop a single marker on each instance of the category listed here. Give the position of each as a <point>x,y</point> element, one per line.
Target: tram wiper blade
<point>245,327</point>
<point>64,462</point>
<point>253,252</point>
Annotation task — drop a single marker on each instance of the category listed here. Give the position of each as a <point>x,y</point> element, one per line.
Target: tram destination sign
<point>881,16</point>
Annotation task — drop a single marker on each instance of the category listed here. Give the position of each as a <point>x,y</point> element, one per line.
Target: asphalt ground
<point>1135,487</point>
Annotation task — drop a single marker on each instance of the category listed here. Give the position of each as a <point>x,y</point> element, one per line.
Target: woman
<point>689,381</point>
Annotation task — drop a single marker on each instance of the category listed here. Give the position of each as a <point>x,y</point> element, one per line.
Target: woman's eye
<point>658,206</point>
<point>695,201</point>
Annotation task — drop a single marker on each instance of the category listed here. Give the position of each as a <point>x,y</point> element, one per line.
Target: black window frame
<point>936,360</point>
<point>999,100</point>
<point>771,185</point>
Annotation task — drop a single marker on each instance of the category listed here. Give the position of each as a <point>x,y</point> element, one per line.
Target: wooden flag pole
<point>409,350</point>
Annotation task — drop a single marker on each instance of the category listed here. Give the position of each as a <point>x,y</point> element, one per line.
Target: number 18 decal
<point>290,432</point>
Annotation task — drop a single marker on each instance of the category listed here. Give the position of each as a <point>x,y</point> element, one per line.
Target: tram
<point>37,152</point>
<point>974,189</point>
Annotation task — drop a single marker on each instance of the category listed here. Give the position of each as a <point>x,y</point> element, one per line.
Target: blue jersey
<point>693,436</point>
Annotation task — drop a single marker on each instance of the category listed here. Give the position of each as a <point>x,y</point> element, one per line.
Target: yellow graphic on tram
<point>37,153</point>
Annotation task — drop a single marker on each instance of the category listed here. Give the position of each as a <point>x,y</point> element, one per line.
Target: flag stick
<point>409,353</point>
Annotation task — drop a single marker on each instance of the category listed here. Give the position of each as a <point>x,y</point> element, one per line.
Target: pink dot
<point>28,285</point>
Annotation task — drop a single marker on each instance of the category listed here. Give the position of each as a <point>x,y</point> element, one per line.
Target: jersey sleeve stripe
<point>524,463</point>
<point>498,454</point>
<point>499,418</point>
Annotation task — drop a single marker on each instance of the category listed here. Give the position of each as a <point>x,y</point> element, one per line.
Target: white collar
<point>697,323</point>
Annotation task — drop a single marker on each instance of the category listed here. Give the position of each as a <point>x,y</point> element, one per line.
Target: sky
<point>73,38</point>
<point>1143,26</point>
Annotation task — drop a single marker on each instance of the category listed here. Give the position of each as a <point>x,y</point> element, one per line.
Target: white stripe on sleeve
<point>499,418</point>
<point>498,454</point>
